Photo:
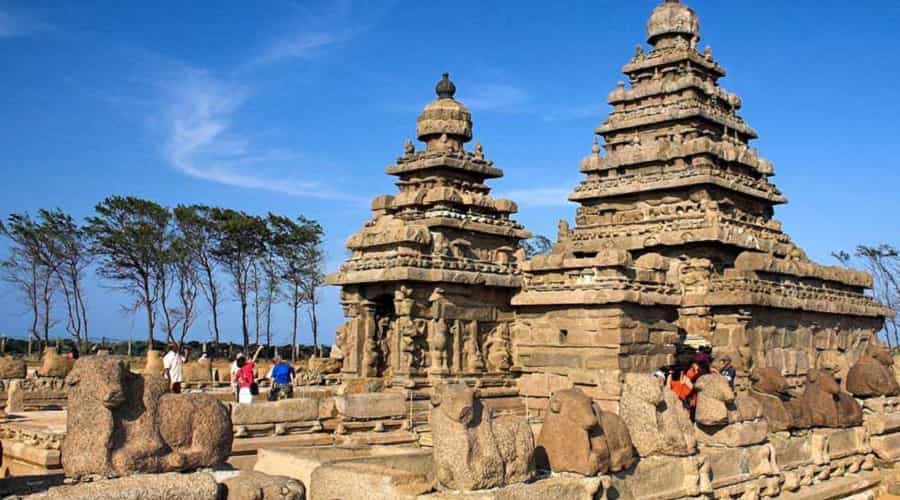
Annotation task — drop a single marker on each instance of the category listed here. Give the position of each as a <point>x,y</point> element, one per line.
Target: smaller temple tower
<point>427,288</point>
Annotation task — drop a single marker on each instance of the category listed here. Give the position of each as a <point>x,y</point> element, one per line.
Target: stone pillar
<point>368,337</point>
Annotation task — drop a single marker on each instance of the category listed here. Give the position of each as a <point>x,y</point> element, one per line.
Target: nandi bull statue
<point>473,449</point>
<point>119,423</point>
<point>577,437</point>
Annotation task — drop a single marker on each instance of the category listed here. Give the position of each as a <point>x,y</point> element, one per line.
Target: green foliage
<point>130,236</point>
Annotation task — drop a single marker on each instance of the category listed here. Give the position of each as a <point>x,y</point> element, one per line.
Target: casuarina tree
<point>240,241</point>
<point>129,237</point>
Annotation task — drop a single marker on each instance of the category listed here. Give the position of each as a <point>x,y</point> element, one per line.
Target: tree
<point>269,287</point>
<point>70,248</point>
<point>185,270</point>
<point>241,240</point>
<point>199,234</point>
<point>883,263</point>
<point>297,245</point>
<point>128,235</point>
<point>32,266</point>
<point>536,245</point>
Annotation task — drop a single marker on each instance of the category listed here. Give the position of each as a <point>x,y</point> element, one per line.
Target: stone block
<point>661,478</point>
<point>287,410</point>
<point>170,486</point>
<point>845,442</point>
<point>250,485</point>
<point>385,477</point>
<point>372,405</point>
<point>730,466</point>
<point>886,447</point>
<point>299,463</point>
<point>792,451</point>
<point>557,487</point>
<point>542,384</point>
<point>877,423</point>
<point>733,435</point>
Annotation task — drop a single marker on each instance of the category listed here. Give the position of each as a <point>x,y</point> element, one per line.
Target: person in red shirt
<point>245,377</point>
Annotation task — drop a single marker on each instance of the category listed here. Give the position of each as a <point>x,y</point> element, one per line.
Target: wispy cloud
<point>539,197</point>
<point>494,97</point>
<point>201,139</point>
<point>301,45</point>
<point>14,24</point>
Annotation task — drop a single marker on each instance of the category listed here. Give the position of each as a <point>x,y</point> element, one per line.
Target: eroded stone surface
<point>120,423</point>
<point>171,486</point>
<point>472,448</point>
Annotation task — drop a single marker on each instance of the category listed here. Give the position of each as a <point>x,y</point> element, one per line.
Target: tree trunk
<point>244,326</point>
<point>295,305</point>
<point>314,323</point>
<point>148,305</point>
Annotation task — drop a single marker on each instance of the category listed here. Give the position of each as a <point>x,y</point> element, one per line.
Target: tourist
<point>173,364</point>
<point>281,377</point>
<point>73,354</point>
<point>235,366</point>
<point>245,378</point>
<point>727,370</point>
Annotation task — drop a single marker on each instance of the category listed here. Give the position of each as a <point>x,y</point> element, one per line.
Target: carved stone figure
<point>713,393</point>
<point>574,438</point>
<point>770,389</point>
<point>250,485</point>
<point>562,233</point>
<point>497,348</point>
<point>656,419</point>
<point>437,342</point>
<point>119,423</point>
<point>828,406</point>
<point>11,367</point>
<point>472,351</point>
<point>53,365</point>
<point>473,449</point>
<point>873,374</point>
<point>408,148</point>
<point>479,151</point>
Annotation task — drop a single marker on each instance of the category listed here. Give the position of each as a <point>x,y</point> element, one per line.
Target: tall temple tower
<point>427,288</point>
<point>675,237</point>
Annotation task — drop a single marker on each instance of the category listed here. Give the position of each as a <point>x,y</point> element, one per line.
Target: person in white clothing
<point>173,364</point>
<point>234,369</point>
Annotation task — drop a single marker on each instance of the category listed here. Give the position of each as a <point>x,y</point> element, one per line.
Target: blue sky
<point>297,107</point>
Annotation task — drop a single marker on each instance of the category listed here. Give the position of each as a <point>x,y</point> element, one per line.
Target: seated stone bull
<point>657,421</point>
<point>783,412</point>
<point>827,405</point>
<point>873,374</point>
<point>473,449</point>
<point>578,438</point>
<point>119,422</point>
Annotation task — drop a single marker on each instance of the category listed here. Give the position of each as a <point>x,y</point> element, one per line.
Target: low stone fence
<point>32,394</point>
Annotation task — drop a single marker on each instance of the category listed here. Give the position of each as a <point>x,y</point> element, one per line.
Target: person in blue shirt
<point>282,378</point>
<point>727,370</point>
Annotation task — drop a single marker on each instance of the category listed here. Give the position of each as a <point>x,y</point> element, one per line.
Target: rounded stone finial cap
<point>445,116</point>
<point>445,88</point>
<point>672,18</point>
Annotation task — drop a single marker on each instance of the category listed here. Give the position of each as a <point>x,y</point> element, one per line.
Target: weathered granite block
<point>171,486</point>
<point>662,478</point>
<point>372,405</point>
<point>299,463</point>
<point>288,410</point>
<point>731,466</point>
<point>886,446</point>
<point>562,487</point>
<point>385,477</point>
<point>733,435</point>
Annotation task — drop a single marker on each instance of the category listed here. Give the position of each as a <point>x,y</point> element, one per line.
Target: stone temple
<point>468,370</point>
<point>674,239</point>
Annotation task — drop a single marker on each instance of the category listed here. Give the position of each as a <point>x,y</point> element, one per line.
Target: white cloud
<point>539,197</point>
<point>201,140</point>
<point>300,45</point>
<point>493,97</point>
<point>14,25</point>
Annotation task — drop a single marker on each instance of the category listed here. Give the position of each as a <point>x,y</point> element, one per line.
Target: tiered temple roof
<point>442,225</point>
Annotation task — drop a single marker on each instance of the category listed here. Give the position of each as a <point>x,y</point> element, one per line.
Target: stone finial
<point>444,116</point>
<point>445,88</point>
<point>672,19</point>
